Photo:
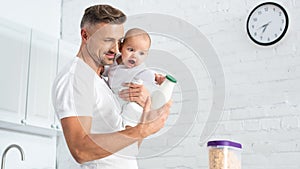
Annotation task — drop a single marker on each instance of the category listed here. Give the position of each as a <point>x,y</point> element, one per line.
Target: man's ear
<point>84,34</point>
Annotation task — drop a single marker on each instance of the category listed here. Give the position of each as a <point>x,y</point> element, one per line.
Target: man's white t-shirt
<point>79,91</point>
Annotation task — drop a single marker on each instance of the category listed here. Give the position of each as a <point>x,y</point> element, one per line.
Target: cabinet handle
<point>53,126</point>
<point>23,121</point>
<point>57,127</point>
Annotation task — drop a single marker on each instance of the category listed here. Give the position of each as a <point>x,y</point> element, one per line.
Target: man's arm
<point>85,146</point>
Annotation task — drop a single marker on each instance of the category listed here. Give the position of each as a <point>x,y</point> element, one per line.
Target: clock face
<point>267,23</point>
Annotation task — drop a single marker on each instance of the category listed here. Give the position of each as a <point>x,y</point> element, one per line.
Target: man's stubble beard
<point>106,61</point>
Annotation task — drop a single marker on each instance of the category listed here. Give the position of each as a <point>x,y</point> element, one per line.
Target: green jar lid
<point>171,78</point>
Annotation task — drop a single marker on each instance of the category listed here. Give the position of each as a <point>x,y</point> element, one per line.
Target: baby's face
<point>134,51</point>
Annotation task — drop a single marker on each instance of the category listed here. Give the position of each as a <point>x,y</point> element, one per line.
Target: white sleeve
<point>73,96</point>
<point>62,98</point>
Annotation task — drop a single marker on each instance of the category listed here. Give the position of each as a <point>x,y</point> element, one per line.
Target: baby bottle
<point>164,93</point>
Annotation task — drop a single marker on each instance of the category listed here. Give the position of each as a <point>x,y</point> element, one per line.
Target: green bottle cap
<point>171,78</point>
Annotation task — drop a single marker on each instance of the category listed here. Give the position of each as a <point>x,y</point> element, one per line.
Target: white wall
<point>262,109</point>
<point>42,15</point>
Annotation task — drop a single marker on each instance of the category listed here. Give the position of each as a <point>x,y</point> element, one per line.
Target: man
<point>89,113</point>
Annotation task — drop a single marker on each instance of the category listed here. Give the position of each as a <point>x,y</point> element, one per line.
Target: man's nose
<point>115,47</point>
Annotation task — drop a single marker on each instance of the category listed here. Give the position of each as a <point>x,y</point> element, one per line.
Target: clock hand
<point>265,25</point>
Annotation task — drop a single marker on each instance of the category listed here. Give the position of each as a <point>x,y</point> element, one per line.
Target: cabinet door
<point>14,47</point>
<point>67,52</point>
<point>42,71</point>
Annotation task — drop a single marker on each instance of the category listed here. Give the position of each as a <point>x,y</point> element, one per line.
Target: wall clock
<point>267,23</point>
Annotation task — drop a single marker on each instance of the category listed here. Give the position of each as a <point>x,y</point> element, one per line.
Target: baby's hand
<point>159,78</point>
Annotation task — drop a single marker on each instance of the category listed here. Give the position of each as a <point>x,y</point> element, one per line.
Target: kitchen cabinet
<point>15,48</point>
<point>66,53</point>
<point>42,71</point>
<point>39,151</point>
<point>28,67</point>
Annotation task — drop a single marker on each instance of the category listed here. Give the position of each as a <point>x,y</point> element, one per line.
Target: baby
<point>130,67</point>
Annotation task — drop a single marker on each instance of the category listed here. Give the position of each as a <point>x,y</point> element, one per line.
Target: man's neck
<point>84,55</point>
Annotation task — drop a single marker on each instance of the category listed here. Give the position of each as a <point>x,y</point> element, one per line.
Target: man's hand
<point>135,93</point>
<point>153,120</point>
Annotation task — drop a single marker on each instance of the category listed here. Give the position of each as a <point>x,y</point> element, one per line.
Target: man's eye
<point>142,53</point>
<point>108,40</point>
<point>130,49</point>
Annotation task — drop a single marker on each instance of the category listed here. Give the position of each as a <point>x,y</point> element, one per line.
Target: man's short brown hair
<point>102,13</point>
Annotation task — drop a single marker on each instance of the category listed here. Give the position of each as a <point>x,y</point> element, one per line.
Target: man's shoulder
<point>75,70</point>
<point>66,72</point>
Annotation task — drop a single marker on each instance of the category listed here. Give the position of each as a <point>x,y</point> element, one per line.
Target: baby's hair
<point>137,32</point>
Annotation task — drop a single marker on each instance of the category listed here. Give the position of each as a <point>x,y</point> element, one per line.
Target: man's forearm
<point>96,146</point>
<point>85,146</point>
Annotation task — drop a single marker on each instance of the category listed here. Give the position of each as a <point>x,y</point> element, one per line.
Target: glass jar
<point>224,154</point>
